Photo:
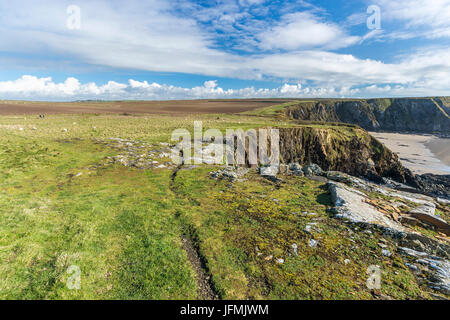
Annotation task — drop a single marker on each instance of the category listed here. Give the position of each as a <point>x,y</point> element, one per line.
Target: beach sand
<point>440,148</point>
<point>419,153</point>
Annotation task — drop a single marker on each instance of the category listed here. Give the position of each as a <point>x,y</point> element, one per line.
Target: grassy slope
<point>123,226</point>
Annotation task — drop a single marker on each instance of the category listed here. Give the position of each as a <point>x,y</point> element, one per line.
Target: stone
<point>438,269</point>
<point>313,169</point>
<point>386,253</point>
<point>270,171</point>
<point>294,248</point>
<point>426,214</point>
<point>443,202</point>
<point>284,169</point>
<point>424,209</point>
<point>411,252</point>
<point>313,243</point>
<point>295,167</point>
<point>440,280</point>
<point>228,172</point>
<point>411,266</point>
<point>338,176</point>
<point>409,220</point>
<point>412,197</point>
<point>308,228</point>
<point>349,204</point>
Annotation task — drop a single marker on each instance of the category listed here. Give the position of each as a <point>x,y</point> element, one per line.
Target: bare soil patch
<point>136,107</point>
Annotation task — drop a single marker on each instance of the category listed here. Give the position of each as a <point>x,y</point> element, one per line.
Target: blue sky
<point>173,49</point>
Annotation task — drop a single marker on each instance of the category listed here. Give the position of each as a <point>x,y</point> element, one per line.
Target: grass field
<point>125,228</point>
<point>172,107</point>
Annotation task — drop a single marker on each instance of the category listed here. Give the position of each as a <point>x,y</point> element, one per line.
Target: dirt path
<point>205,287</point>
<point>189,241</point>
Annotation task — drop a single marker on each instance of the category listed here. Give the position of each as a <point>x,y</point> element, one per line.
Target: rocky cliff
<point>349,150</point>
<point>427,115</point>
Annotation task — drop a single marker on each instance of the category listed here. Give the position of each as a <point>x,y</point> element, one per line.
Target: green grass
<point>272,110</point>
<point>122,227</point>
<point>231,222</point>
<point>111,223</point>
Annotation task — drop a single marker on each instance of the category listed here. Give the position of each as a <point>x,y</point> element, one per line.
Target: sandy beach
<point>420,153</point>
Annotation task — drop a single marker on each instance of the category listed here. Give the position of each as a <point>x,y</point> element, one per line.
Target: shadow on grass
<point>324,198</point>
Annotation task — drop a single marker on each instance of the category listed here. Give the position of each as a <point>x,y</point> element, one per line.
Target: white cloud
<point>33,88</point>
<point>149,36</point>
<point>422,18</point>
<point>304,30</point>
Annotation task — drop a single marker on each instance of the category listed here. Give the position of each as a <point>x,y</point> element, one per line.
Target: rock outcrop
<point>427,115</point>
<point>350,204</point>
<point>427,257</point>
<point>343,148</point>
<point>349,150</point>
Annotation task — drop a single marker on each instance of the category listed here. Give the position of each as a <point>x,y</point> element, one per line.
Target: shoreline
<point>440,147</point>
<point>421,153</point>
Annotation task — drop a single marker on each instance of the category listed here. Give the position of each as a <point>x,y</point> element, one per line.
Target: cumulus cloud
<point>303,30</point>
<point>33,88</point>
<point>45,88</point>
<point>153,36</point>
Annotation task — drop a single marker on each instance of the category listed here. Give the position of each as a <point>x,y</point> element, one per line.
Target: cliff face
<point>426,115</point>
<point>349,150</point>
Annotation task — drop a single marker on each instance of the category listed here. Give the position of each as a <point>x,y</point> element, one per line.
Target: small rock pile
<point>291,169</point>
<point>432,269</point>
<point>138,154</point>
<point>231,173</point>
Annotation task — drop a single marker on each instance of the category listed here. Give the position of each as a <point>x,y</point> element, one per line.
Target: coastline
<point>440,148</point>
<point>421,153</point>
